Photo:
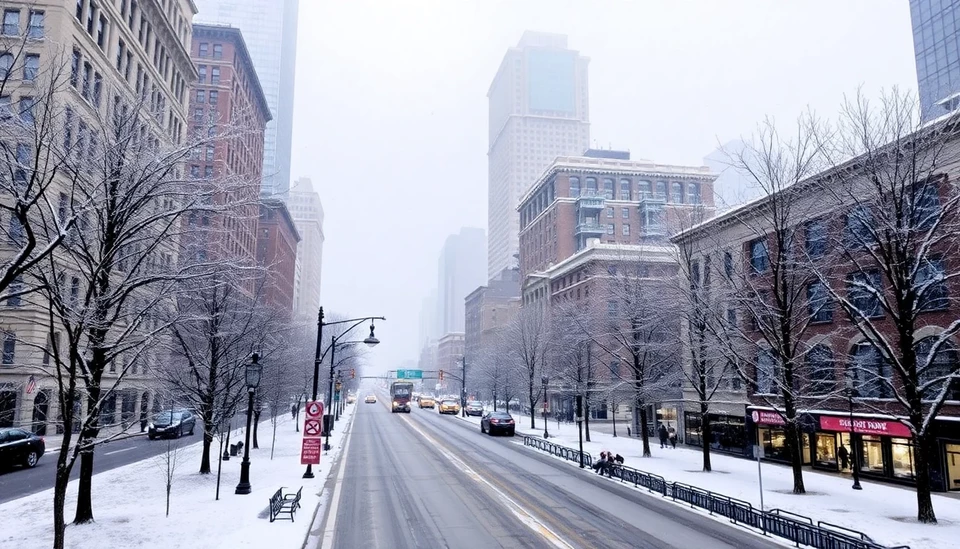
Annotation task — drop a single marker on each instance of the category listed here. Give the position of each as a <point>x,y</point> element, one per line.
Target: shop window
<point>946,362</point>
<point>902,454</point>
<point>953,466</point>
<point>871,455</point>
<point>827,451</point>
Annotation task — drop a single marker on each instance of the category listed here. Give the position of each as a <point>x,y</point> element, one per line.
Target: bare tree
<point>168,462</point>
<point>572,359</point>
<point>896,253</point>
<point>528,339</point>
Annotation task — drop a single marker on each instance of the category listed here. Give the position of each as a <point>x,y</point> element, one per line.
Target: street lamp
<point>463,386</point>
<point>545,381</point>
<point>853,447</point>
<point>253,371</point>
<point>371,341</point>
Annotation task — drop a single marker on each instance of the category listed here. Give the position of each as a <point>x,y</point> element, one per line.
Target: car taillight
<point>510,421</point>
<point>494,421</point>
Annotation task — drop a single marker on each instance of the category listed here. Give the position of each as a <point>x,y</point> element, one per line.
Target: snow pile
<point>129,502</point>
<point>885,512</point>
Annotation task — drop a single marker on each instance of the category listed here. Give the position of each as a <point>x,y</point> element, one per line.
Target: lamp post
<point>370,341</point>
<point>580,424</point>
<point>463,386</point>
<point>318,358</point>
<point>226,447</point>
<point>545,381</point>
<point>253,372</point>
<point>853,447</point>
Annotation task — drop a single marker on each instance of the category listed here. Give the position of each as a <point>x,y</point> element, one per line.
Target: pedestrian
<point>844,457</point>
<point>663,436</point>
<point>601,463</point>
<point>672,435</point>
<point>293,411</point>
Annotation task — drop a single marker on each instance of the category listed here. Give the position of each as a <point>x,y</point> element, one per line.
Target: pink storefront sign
<point>865,426</point>
<point>763,417</point>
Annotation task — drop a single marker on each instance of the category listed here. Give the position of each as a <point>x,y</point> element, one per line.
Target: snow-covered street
<point>129,502</point>
<point>885,512</point>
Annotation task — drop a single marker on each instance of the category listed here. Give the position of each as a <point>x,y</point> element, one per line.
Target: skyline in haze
<point>395,137</point>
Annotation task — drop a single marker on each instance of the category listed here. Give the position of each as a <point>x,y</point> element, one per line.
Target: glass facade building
<point>269,29</point>
<point>936,24</point>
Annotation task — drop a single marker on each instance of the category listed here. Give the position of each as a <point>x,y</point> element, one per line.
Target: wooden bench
<point>284,503</point>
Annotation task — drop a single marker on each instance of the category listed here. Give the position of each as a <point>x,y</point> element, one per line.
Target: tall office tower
<point>307,212</point>
<point>460,272</point>
<point>538,111</point>
<point>936,45</point>
<point>270,30</point>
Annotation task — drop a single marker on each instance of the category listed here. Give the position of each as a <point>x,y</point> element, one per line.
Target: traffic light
<point>441,375</point>
<point>353,373</point>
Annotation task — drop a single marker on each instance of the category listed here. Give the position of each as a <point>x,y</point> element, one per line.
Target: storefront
<point>772,437</point>
<point>727,433</point>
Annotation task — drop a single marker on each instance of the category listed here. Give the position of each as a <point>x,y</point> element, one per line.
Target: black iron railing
<point>792,527</point>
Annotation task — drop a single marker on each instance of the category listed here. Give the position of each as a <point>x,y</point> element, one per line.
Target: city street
<point>18,482</point>
<point>425,480</point>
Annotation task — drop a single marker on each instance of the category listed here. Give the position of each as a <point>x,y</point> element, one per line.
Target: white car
<point>371,399</point>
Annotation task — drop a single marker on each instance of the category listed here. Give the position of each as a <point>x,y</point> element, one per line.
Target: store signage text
<point>865,426</point>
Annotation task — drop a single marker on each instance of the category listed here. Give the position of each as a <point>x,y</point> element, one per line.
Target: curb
<point>314,524</point>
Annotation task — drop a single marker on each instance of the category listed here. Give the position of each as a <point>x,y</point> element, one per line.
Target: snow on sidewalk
<point>886,513</point>
<point>129,502</point>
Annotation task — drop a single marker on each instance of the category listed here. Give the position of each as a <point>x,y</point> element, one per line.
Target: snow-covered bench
<point>284,503</point>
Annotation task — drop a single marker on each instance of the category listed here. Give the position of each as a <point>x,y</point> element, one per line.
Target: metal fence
<point>794,528</point>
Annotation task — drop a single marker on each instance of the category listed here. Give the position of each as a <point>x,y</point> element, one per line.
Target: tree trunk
<point>205,456</point>
<point>256,422</point>
<point>85,489</point>
<point>925,452</point>
<point>796,455</point>
<point>533,408</point>
<point>586,419</point>
<point>706,435</point>
<point>614,416</point>
<point>643,430</point>
<point>60,491</point>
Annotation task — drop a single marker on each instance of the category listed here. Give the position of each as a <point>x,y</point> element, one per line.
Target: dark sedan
<point>19,447</point>
<point>172,423</point>
<point>497,422</point>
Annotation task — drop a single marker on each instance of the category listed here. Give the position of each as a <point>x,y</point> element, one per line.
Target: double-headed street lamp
<point>253,372</point>
<point>371,340</point>
<point>546,381</point>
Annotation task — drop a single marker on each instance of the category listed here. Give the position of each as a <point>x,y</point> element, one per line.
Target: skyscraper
<point>270,30</point>
<point>936,45</point>
<point>460,272</point>
<point>538,111</point>
<point>307,212</point>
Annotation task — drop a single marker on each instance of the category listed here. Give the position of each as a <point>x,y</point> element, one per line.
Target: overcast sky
<point>391,109</point>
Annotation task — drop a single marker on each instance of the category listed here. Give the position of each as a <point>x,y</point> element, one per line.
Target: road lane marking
<point>123,450</point>
<point>519,511</point>
<point>327,542</point>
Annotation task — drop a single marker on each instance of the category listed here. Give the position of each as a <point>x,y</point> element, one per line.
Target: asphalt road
<point>424,480</point>
<point>18,482</point>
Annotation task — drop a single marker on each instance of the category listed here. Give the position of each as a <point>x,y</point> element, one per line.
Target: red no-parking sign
<point>312,427</point>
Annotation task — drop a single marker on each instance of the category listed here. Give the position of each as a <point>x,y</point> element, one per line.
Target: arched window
<point>766,372</point>
<point>661,190</point>
<point>591,186</point>
<point>820,370</point>
<point>574,186</point>
<point>934,370</point>
<point>625,193</point>
<point>643,189</point>
<point>869,373</point>
<point>608,188</point>
<point>676,193</point>
<point>6,64</point>
<point>693,192</point>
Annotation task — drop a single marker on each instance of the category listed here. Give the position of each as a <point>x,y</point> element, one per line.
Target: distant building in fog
<point>733,185</point>
<point>277,240</point>
<point>460,269</point>
<point>538,110</point>
<point>306,210</point>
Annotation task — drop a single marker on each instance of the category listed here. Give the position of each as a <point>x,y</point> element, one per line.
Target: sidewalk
<point>129,502</point>
<point>886,513</point>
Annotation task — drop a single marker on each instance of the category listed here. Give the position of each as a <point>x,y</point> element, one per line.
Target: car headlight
<point>395,403</point>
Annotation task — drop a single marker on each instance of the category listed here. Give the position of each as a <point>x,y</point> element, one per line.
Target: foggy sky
<point>391,109</point>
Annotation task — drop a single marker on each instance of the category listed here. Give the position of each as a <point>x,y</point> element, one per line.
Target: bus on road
<point>400,394</point>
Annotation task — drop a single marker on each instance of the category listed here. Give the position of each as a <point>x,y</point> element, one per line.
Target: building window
<point>201,74</point>
<point>215,75</point>
<point>204,49</point>
<point>75,68</point>
<point>766,372</point>
<point>858,230</point>
<point>608,188</point>
<point>625,213</point>
<point>208,172</point>
<point>6,65</point>
<point>101,31</point>
<point>819,304</point>
<point>11,22</point>
<point>643,189</point>
<point>35,25</point>
<point>87,76</point>
<point>31,67</point>
<point>210,150</point>
<point>610,212</point>
<point>218,51</point>
<point>815,238</point>
<point>932,286</point>
<point>759,256</point>
<point>693,190</point>
<point>661,190</point>
<point>591,186</point>
<point>9,347</point>
<point>16,285</point>
<point>574,186</point>
<point>611,229</point>
<point>625,229</point>
<point>728,264</point>
<point>625,193</point>
<point>194,171</point>
<point>820,370</point>
<point>676,193</point>
<point>612,309</point>
<point>26,109</point>
<point>214,95</point>
<point>201,96</point>
<point>869,372</point>
<point>936,370</point>
<point>926,205</point>
<point>863,289</point>
<point>79,12</point>
<point>97,88</point>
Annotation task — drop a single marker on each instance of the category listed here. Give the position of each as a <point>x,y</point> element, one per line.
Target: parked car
<point>497,422</point>
<point>449,407</point>
<point>19,447</point>
<point>351,399</point>
<point>371,399</point>
<point>473,408</point>
<point>427,402</point>
<point>172,423</point>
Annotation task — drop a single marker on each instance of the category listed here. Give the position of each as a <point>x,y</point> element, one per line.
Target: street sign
<point>314,409</point>
<point>311,428</point>
<point>409,374</point>
<point>310,451</point>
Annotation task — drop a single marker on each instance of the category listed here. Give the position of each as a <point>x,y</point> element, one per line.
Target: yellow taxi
<point>427,402</point>
<point>449,407</point>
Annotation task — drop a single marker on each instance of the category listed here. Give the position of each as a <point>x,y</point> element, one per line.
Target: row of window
<point>679,193</point>
<point>30,66</point>
<point>11,23</point>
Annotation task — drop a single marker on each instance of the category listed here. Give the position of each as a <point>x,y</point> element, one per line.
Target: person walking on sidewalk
<point>672,435</point>
<point>844,457</point>
<point>663,436</point>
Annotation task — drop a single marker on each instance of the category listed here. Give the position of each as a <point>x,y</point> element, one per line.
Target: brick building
<point>488,309</point>
<point>449,356</point>
<point>227,94</point>
<point>277,240</point>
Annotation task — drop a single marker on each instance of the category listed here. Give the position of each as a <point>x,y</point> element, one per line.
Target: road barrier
<point>794,528</point>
